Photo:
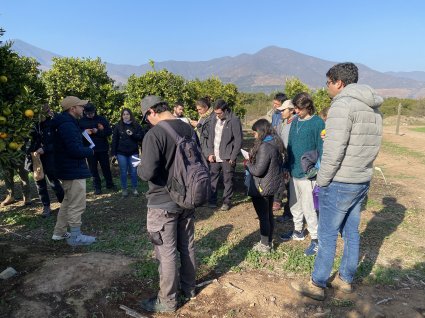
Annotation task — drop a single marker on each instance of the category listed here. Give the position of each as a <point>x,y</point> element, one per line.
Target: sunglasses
<point>145,117</point>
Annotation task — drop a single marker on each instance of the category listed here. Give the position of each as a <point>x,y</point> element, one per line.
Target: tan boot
<point>338,284</point>
<point>9,200</point>
<point>309,289</point>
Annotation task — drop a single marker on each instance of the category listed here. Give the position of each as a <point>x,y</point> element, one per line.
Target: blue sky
<point>384,35</point>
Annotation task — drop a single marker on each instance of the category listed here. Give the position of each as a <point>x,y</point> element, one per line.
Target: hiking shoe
<point>295,235</point>
<point>225,207</point>
<point>135,193</point>
<point>97,191</point>
<point>312,249</point>
<point>154,305</point>
<point>277,206</point>
<point>262,248</point>
<point>284,218</point>
<point>309,289</point>
<point>46,212</point>
<point>61,237</point>
<point>341,285</point>
<point>124,193</point>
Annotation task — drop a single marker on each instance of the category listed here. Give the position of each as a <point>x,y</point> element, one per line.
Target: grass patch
<point>418,129</point>
<point>146,270</point>
<point>398,150</point>
<point>344,303</point>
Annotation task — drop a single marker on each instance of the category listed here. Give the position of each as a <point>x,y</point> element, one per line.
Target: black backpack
<point>190,185</point>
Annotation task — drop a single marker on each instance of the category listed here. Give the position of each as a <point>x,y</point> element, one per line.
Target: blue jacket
<point>70,153</point>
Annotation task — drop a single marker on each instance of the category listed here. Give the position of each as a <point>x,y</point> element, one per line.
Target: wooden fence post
<point>397,128</point>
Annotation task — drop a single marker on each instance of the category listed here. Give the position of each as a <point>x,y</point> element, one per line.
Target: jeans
<point>125,165</point>
<point>340,207</point>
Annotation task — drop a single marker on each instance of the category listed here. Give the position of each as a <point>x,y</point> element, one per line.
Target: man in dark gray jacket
<point>224,144</point>
<point>352,142</point>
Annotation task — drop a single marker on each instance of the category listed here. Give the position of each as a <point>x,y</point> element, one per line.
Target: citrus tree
<point>85,78</point>
<point>21,96</point>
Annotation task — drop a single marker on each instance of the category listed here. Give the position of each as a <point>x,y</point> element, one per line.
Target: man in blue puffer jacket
<point>72,171</point>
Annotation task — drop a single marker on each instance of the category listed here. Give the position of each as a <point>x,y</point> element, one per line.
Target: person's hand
<point>100,126</point>
<point>89,131</point>
<point>194,123</point>
<point>40,151</point>
<point>211,158</point>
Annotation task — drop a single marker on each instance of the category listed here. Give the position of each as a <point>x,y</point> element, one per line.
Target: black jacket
<point>70,153</point>
<point>100,138</point>
<point>42,136</point>
<point>231,139</point>
<point>267,169</point>
<point>203,129</point>
<point>124,144</point>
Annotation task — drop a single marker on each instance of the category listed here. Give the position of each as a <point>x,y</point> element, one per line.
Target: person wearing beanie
<point>99,130</point>
<point>72,171</point>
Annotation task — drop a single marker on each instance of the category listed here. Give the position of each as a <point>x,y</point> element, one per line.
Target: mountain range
<point>264,71</point>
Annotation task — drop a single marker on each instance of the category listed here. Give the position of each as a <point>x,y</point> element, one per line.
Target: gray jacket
<point>353,136</point>
<point>231,139</point>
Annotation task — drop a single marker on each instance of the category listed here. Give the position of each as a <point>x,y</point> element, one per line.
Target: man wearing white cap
<point>72,171</point>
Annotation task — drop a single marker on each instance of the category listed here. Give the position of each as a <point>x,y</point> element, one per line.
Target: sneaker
<point>338,284</point>
<point>80,240</point>
<point>124,193</point>
<point>61,237</point>
<point>97,191</point>
<point>154,305</point>
<point>9,200</point>
<point>309,289</point>
<point>284,218</point>
<point>135,193</point>
<point>262,248</point>
<point>277,206</point>
<point>46,212</point>
<point>225,207</point>
<point>312,249</point>
<point>295,235</point>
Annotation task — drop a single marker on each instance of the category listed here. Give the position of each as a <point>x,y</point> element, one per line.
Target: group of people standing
<point>293,152</point>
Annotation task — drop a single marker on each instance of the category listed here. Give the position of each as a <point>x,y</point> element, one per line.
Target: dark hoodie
<point>70,153</point>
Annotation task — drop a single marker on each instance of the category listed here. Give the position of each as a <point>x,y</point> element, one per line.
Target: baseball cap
<point>286,104</point>
<point>89,108</point>
<point>147,102</point>
<point>70,101</point>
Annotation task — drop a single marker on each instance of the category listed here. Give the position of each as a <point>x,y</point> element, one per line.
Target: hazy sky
<point>384,35</point>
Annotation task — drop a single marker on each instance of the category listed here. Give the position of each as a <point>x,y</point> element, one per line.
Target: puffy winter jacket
<point>267,170</point>
<point>70,153</point>
<point>353,136</point>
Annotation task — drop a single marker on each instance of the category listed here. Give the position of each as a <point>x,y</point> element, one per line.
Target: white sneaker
<point>61,237</point>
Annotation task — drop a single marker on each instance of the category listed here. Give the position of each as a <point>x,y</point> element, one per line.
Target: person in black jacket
<point>266,167</point>
<point>99,130</point>
<point>202,125</point>
<point>224,144</point>
<point>125,144</point>
<point>41,143</point>
<point>71,169</point>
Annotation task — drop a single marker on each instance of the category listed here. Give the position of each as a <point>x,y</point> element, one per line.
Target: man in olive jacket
<point>352,142</point>
<point>224,144</point>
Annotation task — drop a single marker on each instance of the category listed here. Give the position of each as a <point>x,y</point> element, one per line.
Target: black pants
<point>228,172</point>
<point>101,157</point>
<point>54,184</point>
<point>278,197</point>
<point>264,208</point>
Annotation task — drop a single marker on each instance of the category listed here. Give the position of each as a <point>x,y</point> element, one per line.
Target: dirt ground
<point>54,281</point>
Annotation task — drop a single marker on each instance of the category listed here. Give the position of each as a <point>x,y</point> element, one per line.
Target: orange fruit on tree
<point>29,113</point>
<point>3,79</point>
<point>13,145</point>
<point>3,120</point>
<point>3,135</point>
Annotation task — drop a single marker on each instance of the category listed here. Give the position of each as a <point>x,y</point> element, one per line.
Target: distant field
<point>418,129</point>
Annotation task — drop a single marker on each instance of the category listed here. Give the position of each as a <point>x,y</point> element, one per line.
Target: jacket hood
<point>363,93</point>
<point>61,118</point>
